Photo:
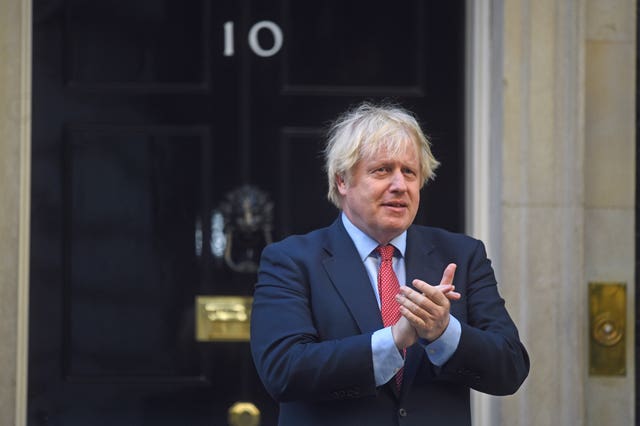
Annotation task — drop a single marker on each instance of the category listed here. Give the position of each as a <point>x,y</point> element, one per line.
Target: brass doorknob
<point>606,330</point>
<point>244,414</point>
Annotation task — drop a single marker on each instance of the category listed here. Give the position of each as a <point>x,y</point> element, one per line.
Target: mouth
<point>395,204</point>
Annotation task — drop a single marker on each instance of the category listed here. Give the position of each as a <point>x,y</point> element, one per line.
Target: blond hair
<point>365,130</point>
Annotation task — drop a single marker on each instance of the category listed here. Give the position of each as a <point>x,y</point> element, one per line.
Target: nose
<point>398,181</point>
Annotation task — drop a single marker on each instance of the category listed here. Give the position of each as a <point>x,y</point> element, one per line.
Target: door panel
<point>347,51</point>
<point>146,115</point>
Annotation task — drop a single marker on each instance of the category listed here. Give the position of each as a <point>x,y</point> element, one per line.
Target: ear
<point>341,184</point>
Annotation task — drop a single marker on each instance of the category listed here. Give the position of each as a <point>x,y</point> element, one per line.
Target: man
<point>337,341</point>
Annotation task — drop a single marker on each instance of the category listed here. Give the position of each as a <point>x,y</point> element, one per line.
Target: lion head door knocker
<point>241,227</point>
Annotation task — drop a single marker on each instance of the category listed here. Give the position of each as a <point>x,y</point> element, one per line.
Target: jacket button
<point>402,412</point>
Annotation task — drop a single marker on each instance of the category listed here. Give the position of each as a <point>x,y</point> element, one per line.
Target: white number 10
<point>254,44</point>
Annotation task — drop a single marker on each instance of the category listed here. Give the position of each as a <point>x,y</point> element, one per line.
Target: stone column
<point>15,92</point>
<point>542,206</point>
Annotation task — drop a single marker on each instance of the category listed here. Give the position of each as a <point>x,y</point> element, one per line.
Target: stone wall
<point>568,198</point>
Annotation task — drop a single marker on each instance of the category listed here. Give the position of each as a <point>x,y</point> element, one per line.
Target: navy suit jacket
<point>314,313</point>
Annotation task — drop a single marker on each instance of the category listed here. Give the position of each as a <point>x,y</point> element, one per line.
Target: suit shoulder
<point>301,244</point>
<point>441,236</point>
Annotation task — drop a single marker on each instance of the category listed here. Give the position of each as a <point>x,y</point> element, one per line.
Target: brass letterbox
<point>223,318</point>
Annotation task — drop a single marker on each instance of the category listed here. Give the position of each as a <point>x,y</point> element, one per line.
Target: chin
<point>396,229</point>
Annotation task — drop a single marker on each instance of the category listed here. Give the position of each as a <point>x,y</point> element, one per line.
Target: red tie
<point>388,288</point>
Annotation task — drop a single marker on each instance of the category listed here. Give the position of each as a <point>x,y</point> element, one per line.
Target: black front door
<point>147,116</point>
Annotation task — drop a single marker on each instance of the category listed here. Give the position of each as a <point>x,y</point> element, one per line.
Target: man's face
<point>382,194</point>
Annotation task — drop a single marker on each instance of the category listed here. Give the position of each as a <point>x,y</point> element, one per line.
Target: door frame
<point>19,19</point>
<point>482,156</point>
<point>483,148</point>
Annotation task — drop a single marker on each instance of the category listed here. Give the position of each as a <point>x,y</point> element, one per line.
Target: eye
<point>409,171</point>
<point>381,170</point>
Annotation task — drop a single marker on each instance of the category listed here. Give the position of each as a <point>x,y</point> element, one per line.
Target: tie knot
<point>386,252</point>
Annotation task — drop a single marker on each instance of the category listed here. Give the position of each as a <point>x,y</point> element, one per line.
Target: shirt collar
<point>365,244</point>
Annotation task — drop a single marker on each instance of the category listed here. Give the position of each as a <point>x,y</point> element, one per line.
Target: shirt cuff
<point>440,350</point>
<point>387,360</point>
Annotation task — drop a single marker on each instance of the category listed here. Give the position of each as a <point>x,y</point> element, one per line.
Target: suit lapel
<point>348,275</point>
<point>421,263</point>
<point>419,260</point>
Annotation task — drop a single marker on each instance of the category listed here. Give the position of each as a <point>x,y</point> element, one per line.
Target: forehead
<point>404,150</point>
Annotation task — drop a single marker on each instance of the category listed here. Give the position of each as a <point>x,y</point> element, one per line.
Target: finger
<point>431,292</point>
<point>447,289</point>
<point>449,292</point>
<point>420,305</point>
<point>453,295</point>
<point>447,275</point>
<point>413,297</point>
<point>415,321</point>
<point>409,299</point>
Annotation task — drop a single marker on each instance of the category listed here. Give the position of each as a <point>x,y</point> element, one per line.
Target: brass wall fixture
<point>223,318</point>
<point>244,414</point>
<point>607,328</point>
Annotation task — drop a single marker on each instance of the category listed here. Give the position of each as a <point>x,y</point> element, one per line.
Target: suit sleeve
<point>291,359</point>
<point>490,357</point>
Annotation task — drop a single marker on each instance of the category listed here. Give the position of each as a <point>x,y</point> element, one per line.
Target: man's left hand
<point>427,309</point>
